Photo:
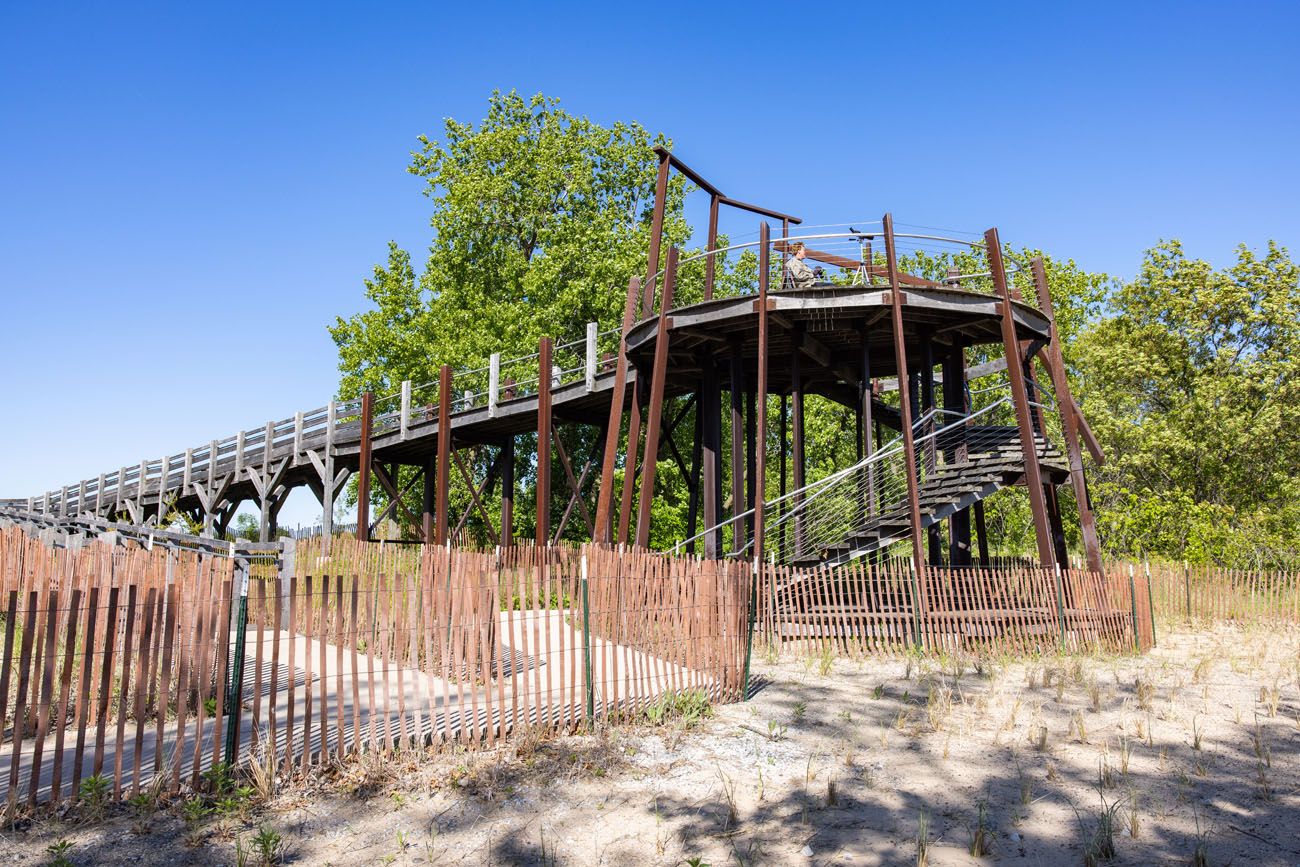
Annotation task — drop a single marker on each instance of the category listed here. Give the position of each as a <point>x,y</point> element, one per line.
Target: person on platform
<point>798,275</point>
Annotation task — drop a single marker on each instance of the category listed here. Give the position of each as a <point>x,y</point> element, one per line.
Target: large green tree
<point>1191,378</point>
<point>539,218</point>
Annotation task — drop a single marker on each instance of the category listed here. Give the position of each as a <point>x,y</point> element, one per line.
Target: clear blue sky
<point>189,195</point>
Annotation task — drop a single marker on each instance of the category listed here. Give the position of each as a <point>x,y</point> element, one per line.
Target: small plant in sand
<point>1078,727</point>
<point>1269,697</point>
<point>775,731</point>
<point>58,853</point>
<point>1263,783</point>
<point>878,692</point>
<point>1099,841</point>
<point>94,796</point>
<point>1196,734</point>
<point>923,840</point>
<point>1026,790</point>
<point>1038,738</point>
<point>1105,771</point>
<point>826,662</point>
<point>1201,844</point>
<point>981,841</point>
<point>938,707</point>
<point>729,795</point>
<point>269,845</point>
<point>800,709</point>
<point>687,706</point>
<point>1125,754</point>
<point>1262,750</point>
<point>1145,692</point>
<point>1134,817</point>
<point>1094,695</point>
<point>832,794</point>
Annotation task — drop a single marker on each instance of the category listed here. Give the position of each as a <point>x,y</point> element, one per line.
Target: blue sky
<point>189,194</point>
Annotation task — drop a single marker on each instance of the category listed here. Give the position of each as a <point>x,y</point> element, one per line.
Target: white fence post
<point>494,383</point>
<point>406,406</point>
<point>591,356</point>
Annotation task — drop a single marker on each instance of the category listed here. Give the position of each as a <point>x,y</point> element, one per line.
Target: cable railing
<point>866,506</point>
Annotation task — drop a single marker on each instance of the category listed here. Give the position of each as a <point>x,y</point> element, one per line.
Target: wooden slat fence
<point>136,666</point>
<point>863,607</point>
<point>1202,593</point>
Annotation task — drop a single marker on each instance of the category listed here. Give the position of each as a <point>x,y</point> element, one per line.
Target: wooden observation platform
<point>942,420</point>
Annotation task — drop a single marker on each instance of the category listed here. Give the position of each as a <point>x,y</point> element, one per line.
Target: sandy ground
<point>831,762</point>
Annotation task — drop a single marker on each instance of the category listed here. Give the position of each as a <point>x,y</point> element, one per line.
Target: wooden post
<point>507,459</point>
<point>605,495</point>
<point>709,408</point>
<point>711,244</point>
<point>444,454</point>
<point>655,416</point>
<point>738,502</point>
<point>544,443</point>
<point>1069,421</point>
<point>1020,398</point>
<point>905,410</point>
<point>797,454</point>
<point>759,413</point>
<point>363,468</point>
<point>954,401</point>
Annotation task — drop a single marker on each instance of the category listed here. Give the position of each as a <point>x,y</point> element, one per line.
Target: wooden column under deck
<point>954,401</point>
<point>543,535</point>
<point>709,411</point>
<point>444,454</point>
<point>363,469</point>
<point>738,500</point>
<point>507,459</point>
<point>798,459</point>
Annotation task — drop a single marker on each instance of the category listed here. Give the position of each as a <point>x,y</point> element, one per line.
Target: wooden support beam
<point>1020,399</point>
<point>738,502</point>
<point>605,494</point>
<point>954,401</point>
<point>709,410</point>
<point>905,406</point>
<point>363,460</point>
<point>544,421</point>
<point>1069,419</point>
<point>442,489</point>
<point>507,459</point>
<point>476,494</point>
<point>798,457</point>
<point>759,450</point>
<point>657,376</point>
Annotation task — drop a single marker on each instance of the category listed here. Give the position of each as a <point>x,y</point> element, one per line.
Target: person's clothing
<point>798,275</point>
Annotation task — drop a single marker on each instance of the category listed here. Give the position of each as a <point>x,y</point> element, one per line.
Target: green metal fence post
<point>586,645</point>
<point>1151,608</point>
<point>916,608</point>
<point>234,694</point>
<point>1133,602</point>
<point>1060,604</point>
<point>749,637</point>
<point>1187,589</point>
